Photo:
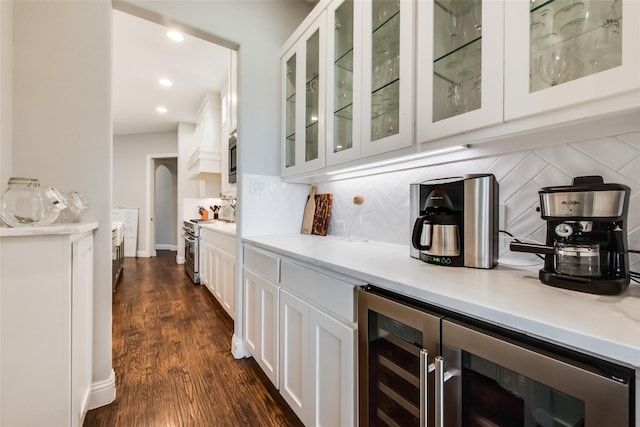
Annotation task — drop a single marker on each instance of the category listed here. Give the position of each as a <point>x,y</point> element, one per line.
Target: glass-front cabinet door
<point>460,66</point>
<point>303,115</point>
<point>560,53</point>
<point>344,76</point>
<point>387,75</point>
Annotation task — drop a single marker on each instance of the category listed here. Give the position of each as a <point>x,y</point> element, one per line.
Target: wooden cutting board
<point>322,214</point>
<point>309,210</point>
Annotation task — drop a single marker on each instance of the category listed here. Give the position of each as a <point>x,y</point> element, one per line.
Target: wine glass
<point>555,65</point>
<point>476,16</point>
<point>453,26</point>
<point>457,98</point>
<point>569,10</point>
<point>595,34</point>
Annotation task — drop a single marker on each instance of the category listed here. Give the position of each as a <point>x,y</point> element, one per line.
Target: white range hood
<point>207,156</point>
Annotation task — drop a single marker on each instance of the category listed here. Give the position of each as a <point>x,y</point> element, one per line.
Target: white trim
<point>103,392</point>
<point>164,247</point>
<point>238,349</point>
<point>142,254</point>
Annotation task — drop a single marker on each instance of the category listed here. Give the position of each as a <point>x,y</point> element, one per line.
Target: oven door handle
<point>425,370</point>
<point>188,239</point>
<point>442,377</point>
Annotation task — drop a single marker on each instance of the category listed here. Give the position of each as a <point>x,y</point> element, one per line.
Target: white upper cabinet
<point>560,53</point>
<point>460,66</point>
<point>370,78</point>
<point>303,115</point>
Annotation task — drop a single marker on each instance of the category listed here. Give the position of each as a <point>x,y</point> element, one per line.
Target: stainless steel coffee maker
<point>586,248</point>
<point>454,221</point>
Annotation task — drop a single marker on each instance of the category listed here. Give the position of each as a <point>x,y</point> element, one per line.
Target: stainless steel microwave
<point>233,150</point>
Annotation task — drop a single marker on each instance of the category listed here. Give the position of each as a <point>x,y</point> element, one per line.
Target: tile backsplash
<point>520,174</point>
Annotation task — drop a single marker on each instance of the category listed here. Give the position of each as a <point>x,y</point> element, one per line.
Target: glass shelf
<point>345,112</point>
<point>456,7</point>
<point>383,11</point>
<point>345,62</point>
<point>386,40</point>
<point>385,99</point>
<point>461,64</point>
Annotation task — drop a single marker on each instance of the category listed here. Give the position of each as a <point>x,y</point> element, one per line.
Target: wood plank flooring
<point>171,355</point>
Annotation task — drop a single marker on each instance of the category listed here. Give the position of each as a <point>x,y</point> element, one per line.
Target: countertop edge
<point>592,344</point>
<point>54,229</point>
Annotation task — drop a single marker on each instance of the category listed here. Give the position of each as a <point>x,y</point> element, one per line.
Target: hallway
<point>171,355</point>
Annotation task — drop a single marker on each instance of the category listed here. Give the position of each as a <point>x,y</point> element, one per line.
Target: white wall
<point>62,129</point>
<point>130,165</point>
<point>166,207</point>
<point>6,91</point>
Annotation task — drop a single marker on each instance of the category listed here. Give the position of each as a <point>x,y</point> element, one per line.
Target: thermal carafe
<point>454,221</point>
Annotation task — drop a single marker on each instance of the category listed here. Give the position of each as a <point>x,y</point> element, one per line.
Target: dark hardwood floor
<point>171,355</point>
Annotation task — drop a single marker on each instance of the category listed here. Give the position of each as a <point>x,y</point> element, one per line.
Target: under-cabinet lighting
<point>161,109</point>
<point>314,118</point>
<point>175,36</point>
<point>165,82</point>
<point>402,159</point>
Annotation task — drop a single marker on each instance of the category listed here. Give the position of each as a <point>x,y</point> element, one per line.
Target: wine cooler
<point>421,366</point>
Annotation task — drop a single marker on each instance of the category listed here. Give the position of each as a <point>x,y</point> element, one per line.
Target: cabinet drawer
<point>263,263</point>
<point>322,290</point>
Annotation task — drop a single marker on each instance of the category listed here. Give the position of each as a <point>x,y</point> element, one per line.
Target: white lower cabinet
<point>317,359</point>
<point>218,267</point>
<point>261,322</point>
<point>299,325</point>
<point>46,328</point>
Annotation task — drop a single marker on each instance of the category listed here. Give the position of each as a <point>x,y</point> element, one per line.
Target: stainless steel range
<point>191,235</point>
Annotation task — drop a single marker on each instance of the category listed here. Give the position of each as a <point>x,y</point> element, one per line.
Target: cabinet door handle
<point>441,378</point>
<point>425,370</point>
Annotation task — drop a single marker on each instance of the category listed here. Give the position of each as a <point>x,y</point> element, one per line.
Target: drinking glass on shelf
<point>457,97</point>
<point>454,22</point>
<point>570,10</point>
<point>542,31</point>
<point>476,15</point>
<point>596,36</point>
<point>555,65</point>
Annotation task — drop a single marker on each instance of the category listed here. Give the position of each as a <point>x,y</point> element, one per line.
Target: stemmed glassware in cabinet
<point>385,72</point>
<point>571,39</point>
<point>457,75</point>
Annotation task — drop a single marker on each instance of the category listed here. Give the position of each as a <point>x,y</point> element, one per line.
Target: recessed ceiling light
<point>161,109</point>
<point>175,36</point>
<point>165,82</point>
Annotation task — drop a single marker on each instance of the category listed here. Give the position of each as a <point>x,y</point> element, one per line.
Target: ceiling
<point>142,55</point>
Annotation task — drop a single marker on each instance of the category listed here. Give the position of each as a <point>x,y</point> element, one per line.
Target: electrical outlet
<point>502,216</point>
<point>256,186</point>
<point>338,227</point>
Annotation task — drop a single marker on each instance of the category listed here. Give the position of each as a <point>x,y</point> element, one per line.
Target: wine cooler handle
<point>441,378</point>
<point>425,370</point>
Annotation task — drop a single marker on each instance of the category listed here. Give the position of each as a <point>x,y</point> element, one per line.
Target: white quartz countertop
<point>36,230</point>
<point>224,227</point>
<point>603,326</point>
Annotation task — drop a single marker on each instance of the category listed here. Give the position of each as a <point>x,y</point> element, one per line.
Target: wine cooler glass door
<point>396,346</point>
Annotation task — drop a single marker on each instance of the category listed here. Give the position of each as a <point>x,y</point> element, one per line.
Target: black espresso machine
<point>586,248</point>
<point>454,221</point>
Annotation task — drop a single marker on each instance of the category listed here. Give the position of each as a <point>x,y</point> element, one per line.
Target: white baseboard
<point>142,254</point>
<point>238,349</point>
<point>179,259</point>
<point>103,392</point>
<point>163,247</point>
